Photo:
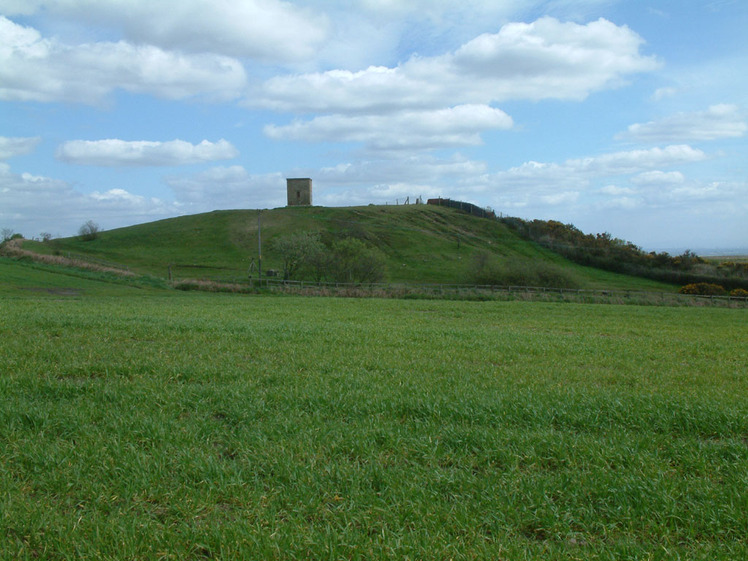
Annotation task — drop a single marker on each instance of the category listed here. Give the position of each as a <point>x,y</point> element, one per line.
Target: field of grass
<point>25,278</point>
<point>193,426</point>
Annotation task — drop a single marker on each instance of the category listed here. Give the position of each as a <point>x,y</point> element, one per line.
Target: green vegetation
<point>346,260</point>
<point>613,254</point>
<point>193,426</point>
<point>22,278</point>
<point>489,270</point>
<point>704,289</point>
<point>417,244</point>
<point>89,231</point>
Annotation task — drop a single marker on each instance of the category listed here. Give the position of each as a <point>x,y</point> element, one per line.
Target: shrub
<point>739,293</point>
<point>352,260</point>
<point>486,269</point>
<point>703,289</point>
<point>302,252</point>
<point>89,231</point>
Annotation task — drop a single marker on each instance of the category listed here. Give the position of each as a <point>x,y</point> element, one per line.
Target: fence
<point>238,274</point>
<point>470,208</point>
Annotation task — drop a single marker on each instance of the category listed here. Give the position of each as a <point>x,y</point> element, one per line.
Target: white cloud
<point>663,93</point>
<point>580,172</point>
<point>621,203</point>
<point>363,182</point>
<point>31,204</point>
<point>714,191</point>
<point>538,184</point>
<point>268,30</point>
<point>634,161</point>
<point>18,146</point>
<point>33,68</point>
<point>228,187</point>
<point>545,59</point>
<point>654,178</point>
<point>562,198</point>
<point>615,190</point>
<point>719,121</point>
<point>438,10</point>
<point>417,169</point>
<point>456,126</point>
<point>531,185</point>
<point>115,152</point>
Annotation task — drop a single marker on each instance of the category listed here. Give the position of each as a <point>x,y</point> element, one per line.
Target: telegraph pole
<point>259,245</point>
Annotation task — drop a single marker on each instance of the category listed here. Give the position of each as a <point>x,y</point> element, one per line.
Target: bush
<point>486,269</point>
<point>89,231</point>
<point>703,289</point>
<point>353,261</point>
<point>739,293</point>
<point>302,252</point>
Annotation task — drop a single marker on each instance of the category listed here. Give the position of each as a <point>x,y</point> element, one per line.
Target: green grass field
<point>143,424</point>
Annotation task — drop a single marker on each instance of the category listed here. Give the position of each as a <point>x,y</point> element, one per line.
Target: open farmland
<point>192,426</point>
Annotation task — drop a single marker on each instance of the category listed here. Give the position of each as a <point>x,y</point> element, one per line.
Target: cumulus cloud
<point>437,9</point>
<point>616,190</point>
<point>531,185</point>
<point>12,184</point>
<point>18,146</point>
<point>561,198</point>
<point>416,169</point>
<point>537,184</point>
<point>546,59</point>
<point>33,203</point>
<point>634,161</point>
<point>620,203</point>
<point>228,187</point>
<point>718,121</point>
<point>455,126</point>
<point>579,172</point>
<point>268,30</point>
<point>658,178</point>
<point>663,93</point>
<point>115,152</point>
<point>33,68</point>
<point>363,182</point>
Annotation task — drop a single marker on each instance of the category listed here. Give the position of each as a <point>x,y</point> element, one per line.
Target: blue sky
<point>625,117</point>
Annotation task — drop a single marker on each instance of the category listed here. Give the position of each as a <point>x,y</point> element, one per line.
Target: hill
<point>418,243</point>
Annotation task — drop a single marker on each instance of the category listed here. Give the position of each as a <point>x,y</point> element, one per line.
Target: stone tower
<point>299,191</point>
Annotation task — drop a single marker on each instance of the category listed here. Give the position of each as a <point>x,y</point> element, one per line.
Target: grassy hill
<point>420,244</point>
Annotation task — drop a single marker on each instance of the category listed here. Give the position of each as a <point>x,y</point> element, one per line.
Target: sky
<point>621,116</point>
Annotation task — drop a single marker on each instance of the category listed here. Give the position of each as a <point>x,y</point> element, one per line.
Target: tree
<point>354,261</point>
<point>89,231</point>
<point>300,252</point>
<point>6,233</point>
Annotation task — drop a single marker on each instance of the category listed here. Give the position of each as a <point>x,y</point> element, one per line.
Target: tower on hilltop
<point>299,191</point>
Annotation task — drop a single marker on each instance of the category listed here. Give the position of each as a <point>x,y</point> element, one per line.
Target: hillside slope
<point>421,243</point>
